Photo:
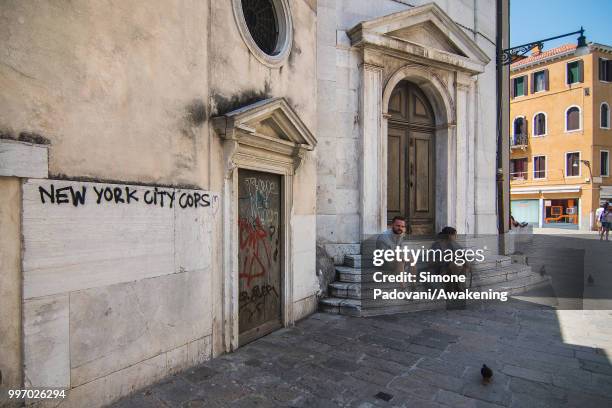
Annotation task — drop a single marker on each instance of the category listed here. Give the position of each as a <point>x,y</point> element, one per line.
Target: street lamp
<point>588,166</point>
<point>508,55</point>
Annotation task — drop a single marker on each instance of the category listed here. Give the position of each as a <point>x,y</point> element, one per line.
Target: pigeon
<point>590,280</point>
<point>487,373</point>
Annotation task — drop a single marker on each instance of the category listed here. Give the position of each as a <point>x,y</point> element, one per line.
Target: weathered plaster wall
<point>10,284</point>
<point>118,88</point>
<point>124,93</point>
<point>119,91</point>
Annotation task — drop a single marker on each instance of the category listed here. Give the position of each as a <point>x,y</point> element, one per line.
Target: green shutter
<point>520,86</point>
<point>574,72</point>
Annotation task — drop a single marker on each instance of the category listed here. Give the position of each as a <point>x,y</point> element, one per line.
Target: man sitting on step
<point>447,239</point>
<point>392,238</point>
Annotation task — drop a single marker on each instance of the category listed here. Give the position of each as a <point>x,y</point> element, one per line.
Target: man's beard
<point>397,231</point>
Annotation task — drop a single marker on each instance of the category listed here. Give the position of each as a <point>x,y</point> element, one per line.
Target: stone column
<point>370,171</point>
<point>540,212</point>
<point>465,156</point>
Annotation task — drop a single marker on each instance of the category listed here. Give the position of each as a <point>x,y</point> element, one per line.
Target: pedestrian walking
<point>599,221</point>
<point>607,221</point>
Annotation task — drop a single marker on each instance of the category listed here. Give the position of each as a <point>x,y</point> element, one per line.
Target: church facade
<point>171,171</point>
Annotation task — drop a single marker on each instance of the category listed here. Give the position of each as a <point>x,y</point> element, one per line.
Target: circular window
<point>262,23</point>
<point>265,27</point>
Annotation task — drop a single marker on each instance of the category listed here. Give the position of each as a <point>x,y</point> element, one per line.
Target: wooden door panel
<point>393,174</point>
<point>396,174</point>
<point>259,253</point>
<point>410,156</point>
<point>423,178</point>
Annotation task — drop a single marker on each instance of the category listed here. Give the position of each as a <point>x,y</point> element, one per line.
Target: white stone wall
<point>109,285</point>
<point>338,216</point>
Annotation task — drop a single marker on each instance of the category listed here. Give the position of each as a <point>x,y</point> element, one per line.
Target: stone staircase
<point>352,292</point>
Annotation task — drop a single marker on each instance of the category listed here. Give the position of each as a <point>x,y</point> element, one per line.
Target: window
<point>519,86</point>
<point>266,28</point>
<point>572,119</point>
<point>540,81</point>
<point>539,124</point>
<point>574,72</point>
<point>604,163</point>
<point>605,70</point>
<point>520,131</point>
<point>604,116</point>
<point>518,169</point>
<point>539,167</point>
<point>519,126</point>
<point>572,164</point>
<point>260,17</point>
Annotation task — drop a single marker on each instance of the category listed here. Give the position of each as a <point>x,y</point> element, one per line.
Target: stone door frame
<point>445,140</point>
<point>231,238</point>
<point>244,147</point>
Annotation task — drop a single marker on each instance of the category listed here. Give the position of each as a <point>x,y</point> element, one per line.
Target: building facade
<point>170,171</point>
<point>560,136</point>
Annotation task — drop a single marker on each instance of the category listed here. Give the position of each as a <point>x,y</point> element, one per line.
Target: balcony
<point>518,176</point>
<point>519,142</point>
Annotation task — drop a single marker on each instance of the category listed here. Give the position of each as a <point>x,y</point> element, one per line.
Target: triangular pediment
<point>269,124</point>
<point>428,35</point>
<point>426,28</point>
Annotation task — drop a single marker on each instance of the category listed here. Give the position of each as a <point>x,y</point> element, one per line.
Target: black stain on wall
<point>196,113</point>
<point>239,100</point>
<point>28,137</point>
<point>61,176</point>
<point>295,53</point>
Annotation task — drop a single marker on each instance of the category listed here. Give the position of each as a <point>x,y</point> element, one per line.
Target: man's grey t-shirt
<point>390,240</point>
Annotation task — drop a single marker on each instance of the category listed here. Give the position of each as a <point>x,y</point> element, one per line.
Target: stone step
<point>355,290</point>
<point>357,307</point>
<point>368,245</point>
<point>361,261</point>
<point>350,274</point>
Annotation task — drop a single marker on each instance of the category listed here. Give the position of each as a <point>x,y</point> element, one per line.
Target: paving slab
<point>541,358</point>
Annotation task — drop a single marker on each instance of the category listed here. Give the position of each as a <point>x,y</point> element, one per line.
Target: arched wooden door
<point>410,159</point>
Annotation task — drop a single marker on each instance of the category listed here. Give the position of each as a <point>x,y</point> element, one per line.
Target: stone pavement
<point>540,357</point>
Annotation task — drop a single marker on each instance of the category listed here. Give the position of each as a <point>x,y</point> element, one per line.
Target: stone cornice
<point>374,35</point>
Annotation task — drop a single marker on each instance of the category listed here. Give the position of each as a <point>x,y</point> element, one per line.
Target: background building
<point>560,136</point>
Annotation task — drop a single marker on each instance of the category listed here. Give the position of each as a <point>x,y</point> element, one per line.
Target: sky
<point>532,20</point>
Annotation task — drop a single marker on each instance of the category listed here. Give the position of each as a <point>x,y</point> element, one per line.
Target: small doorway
<point>411,159</point>
<point>260,254</point>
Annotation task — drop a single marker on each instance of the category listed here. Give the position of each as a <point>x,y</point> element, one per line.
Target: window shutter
<point>512,85</point>
<point>546,79</point>
<point>573,119</point>
<point>525,83</point>
<point>531,84</point>
<point>602,69</point>
<point>580,71</point>
<point>525,122</point>
<point>608,66</point>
